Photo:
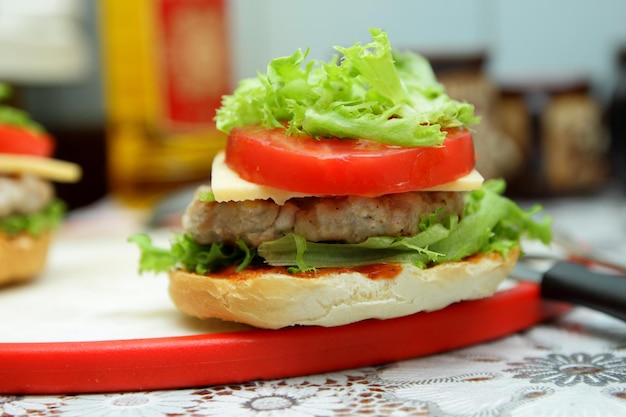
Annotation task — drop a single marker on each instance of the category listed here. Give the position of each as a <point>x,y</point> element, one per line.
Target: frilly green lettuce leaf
<point>371,92</point>
<point>186,254</point>
<point>10,115</point>
<point>37,223</point>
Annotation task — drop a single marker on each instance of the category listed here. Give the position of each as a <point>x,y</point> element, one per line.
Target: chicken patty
<point>348,219</point>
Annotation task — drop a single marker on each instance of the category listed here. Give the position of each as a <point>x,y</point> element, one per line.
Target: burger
<point>29,208</point>
<point>346,191</point>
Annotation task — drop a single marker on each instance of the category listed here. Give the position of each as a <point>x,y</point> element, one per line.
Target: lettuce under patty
<point>491,223</point>
<point>34,224</point>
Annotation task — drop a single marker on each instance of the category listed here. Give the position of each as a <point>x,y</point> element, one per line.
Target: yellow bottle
<point>166,67</point>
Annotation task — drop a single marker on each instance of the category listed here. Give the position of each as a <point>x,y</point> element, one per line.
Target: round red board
<point>231,357</point>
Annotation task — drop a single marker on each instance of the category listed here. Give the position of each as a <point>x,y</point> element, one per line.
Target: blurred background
<point>129,88</point>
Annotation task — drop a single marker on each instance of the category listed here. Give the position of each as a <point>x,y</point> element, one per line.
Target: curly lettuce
<point>185,253</point>
<point>34,224</point>
<point>372,92</point>
<point>491,223</point>
<point>15,117</point>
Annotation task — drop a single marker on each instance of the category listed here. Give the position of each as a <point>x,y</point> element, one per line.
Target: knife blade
<point>579,285</point>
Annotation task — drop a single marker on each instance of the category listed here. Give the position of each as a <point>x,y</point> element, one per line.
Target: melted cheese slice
<point>48,168</point>
<point>471,181</point>
<point>227,185</point>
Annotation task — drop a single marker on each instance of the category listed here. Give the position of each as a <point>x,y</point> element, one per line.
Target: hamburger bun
<point>22,257</point>
<point>273,300</point>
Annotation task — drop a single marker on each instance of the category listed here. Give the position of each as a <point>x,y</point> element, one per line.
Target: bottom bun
<point>22,257</point>
<point>270,299</point>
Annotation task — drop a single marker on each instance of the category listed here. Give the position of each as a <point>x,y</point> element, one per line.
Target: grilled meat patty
<point>348,219</point>
<point>24,194</point>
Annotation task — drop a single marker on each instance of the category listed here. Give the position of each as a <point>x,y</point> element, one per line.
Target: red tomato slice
<point>18,140</point>
<point>345,167</point>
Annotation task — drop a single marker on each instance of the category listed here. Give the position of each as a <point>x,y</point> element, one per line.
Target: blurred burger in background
<point>29,208</point>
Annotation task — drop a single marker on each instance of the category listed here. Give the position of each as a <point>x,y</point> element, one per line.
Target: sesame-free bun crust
<point>274,300</point>
<point>22,257</point>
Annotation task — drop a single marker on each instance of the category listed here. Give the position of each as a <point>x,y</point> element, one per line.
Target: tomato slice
<point>345,167</point>
<point>18,140</point>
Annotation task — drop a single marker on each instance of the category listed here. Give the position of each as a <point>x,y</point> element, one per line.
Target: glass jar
<point>559,127</point>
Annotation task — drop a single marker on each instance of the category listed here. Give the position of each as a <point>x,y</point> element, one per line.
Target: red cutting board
<point>238,356</point>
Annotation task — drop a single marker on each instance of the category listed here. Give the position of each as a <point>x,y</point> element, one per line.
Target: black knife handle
<point>576,284</point>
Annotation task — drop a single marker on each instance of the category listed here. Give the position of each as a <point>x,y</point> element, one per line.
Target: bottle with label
<point>165,69</point>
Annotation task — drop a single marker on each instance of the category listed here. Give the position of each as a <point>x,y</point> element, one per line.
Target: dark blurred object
<point>497,154</point>
<point>85,147</point>
<point>558,125</point>
<point>617,120</point>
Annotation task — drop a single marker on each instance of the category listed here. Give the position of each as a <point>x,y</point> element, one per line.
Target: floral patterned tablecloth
<point>575,366</point>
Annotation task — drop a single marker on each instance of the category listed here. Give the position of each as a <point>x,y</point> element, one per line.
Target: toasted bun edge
<point>276,300</point>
